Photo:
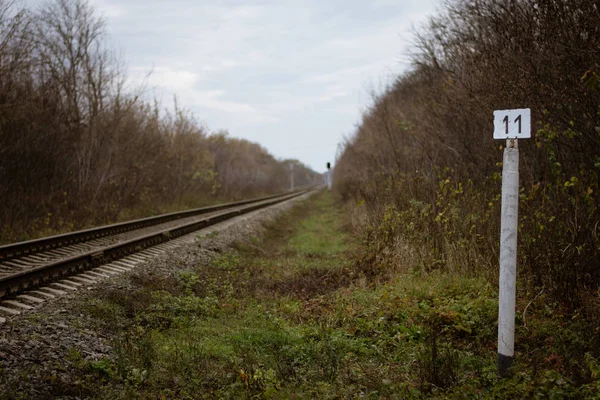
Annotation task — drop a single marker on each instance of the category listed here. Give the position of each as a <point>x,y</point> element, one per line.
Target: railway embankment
<point>291,305</point>
<point>58,348</point>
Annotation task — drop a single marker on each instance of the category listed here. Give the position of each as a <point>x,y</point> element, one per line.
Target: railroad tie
<point>108,270</point>
<point>30,298</point>
<point>78,278</point>
<point>9,311</point>
<point>138,258</point>
<point>125,264</point>
<point>63,286</point>
<point>53,291</point>
<point>17,304</point>
<point>97,275</point>
<point>43,294</point>
<point>117,267</point>
<point>87,275</point>
<point>70,283</point>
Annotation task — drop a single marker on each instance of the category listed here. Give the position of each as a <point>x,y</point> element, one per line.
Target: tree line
<point>422,166</point>
<point>80,146</point>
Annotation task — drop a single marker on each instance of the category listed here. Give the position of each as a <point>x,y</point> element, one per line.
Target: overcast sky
<point>290,75</point>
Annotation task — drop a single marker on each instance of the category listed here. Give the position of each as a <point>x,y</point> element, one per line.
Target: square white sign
<point>512,124</point>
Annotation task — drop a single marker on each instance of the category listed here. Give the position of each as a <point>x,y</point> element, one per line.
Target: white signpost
<point>510,125</point>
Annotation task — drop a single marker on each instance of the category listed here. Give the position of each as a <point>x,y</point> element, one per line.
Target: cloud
<point>167,82</point>
<point>288,73</point>
<point>110,10</point>
<point>331,96</point>
<point>171,79</point>
<point>214,99</point>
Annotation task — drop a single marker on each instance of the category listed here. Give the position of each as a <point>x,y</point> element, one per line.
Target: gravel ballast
<point>39,347</point>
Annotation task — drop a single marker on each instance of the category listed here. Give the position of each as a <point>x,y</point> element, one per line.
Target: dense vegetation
<point>80,146</point>
<point>422,174</point>
<point>423,166</point>
<point>290,314</point>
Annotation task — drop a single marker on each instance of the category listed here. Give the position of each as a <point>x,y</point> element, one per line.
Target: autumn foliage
<point>79,146</point>
<point>423,168</point>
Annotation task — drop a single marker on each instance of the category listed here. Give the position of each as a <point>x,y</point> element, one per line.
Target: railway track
<point>44,268</point>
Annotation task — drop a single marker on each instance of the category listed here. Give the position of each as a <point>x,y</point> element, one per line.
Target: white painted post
<point>508,256</point>
<point>329,177</point>
<point>510,125</point>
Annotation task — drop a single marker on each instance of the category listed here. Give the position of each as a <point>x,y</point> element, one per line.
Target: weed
<point>287,316</point>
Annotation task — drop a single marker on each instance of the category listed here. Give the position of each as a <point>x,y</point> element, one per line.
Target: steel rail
<point>19,281</point>
<point>20,249</point>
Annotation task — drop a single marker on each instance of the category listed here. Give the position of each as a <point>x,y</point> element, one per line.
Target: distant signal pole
<point>292,175</point>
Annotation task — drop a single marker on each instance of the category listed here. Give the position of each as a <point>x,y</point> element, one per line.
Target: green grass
<point>295,315</point>
<point>321,233</point>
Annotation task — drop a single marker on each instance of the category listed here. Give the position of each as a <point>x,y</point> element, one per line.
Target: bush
<point>425,170</point>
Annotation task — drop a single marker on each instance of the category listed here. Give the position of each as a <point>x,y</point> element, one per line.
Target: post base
<point>504,364</point>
